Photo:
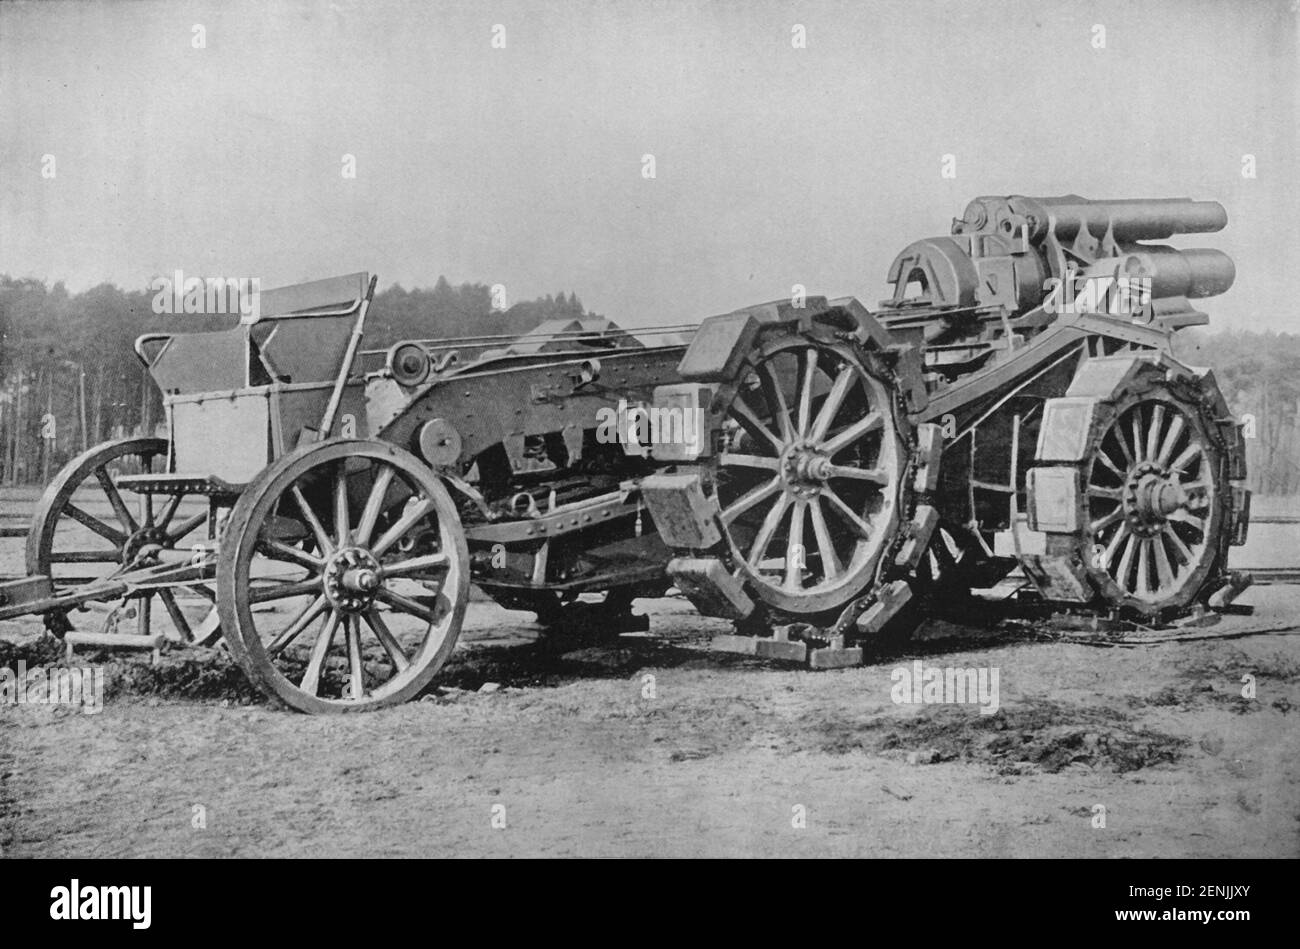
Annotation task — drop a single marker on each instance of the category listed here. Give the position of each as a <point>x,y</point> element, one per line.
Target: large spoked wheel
<point>343,577</point>
<point>1153,504</point>
<point>809,475</point>
<point>85,530</point>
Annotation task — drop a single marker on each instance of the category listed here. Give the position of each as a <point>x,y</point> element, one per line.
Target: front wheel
<point>343,577</point>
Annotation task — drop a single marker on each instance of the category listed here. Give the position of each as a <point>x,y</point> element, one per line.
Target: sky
<point>523,165</point>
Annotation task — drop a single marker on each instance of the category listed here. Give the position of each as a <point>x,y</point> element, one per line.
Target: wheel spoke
<point>404,568</point>
<point>764,462</point>
<point>374,504</point>
<point>861,526</point>
<point>85,556</point>
<point>751,423</point>
<point>1111,494</point>
<point>169,511</point>
<point>414,514</point>
<point>1126,562</point>
<point>768,530</point>
<point>109,533</point>
<point>1105,460</point>
<point>1154,432</point>
<point>776,400</point>
<point>186,526</point>
<point>1180,549</point>
<point>756,496</point>
<point>806,390</point>
<point>352,628</point>
<point>831,567</point>
<point>282,591</point>
<point>405,604</point>
<point>1101,523</point>
<point>387,640</point>
<point>1143,574</point>
<point>115,499</point>
<point>831,407</point>
<point>868,423</point>
<point>795,555</point>
<point>1123,447</point>
<point>1137,435</point>
<point>1185,459</point>
<point>311,678</point>
<point>281,551</point>
<point>874,475</point>
<point>1171,439</point>
<point>1113,547</point>
<point>305,618</point>
<point>342,519</point>
<point>317,528</point>
<point>178,618</point>
<point>1164,572</point>
<point>1190,519</point>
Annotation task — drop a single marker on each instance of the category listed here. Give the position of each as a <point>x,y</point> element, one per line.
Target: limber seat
<point>237,399</point>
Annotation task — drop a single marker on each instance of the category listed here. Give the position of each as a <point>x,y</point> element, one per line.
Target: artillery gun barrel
<point>1133,219</point>
<point>1194,273</point>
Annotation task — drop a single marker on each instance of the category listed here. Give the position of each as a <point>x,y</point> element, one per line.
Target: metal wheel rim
<point>264,648</point>
<point>1154,450</point>
<point>827,481</point>
<point>125,532</point>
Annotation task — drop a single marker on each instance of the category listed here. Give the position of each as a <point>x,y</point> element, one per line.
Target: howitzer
<point>967,429</point>
<point>1005,253</point>
<point>326,508</point>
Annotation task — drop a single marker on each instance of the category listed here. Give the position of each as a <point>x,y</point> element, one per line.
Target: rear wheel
<point>1153,511</point>
<point>85,529</point>
<point>1132,487</point>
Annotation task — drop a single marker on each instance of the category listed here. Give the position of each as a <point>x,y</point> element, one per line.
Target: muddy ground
<point>722,756</point>
<point>651,745</point>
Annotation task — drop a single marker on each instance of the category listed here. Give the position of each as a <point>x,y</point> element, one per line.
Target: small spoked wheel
<point>1153,505</point>
<point>85,529</point>
<point>343,577</point>
<point>809,476</point>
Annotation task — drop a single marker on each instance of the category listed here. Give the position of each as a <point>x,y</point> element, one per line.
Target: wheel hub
<point>804,469</point>
<point>139,540</point>
<point>351,578</point>
<point>1152,493</point>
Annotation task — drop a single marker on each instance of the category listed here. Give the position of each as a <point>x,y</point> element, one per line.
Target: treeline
<point>1259,374</point>
<point>69,377</point>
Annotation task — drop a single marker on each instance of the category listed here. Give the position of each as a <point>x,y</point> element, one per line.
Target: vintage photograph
<point>666,429</point>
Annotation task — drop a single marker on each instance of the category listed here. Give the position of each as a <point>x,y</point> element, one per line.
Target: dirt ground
<point>724,759</point>
<point>650,745</point>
